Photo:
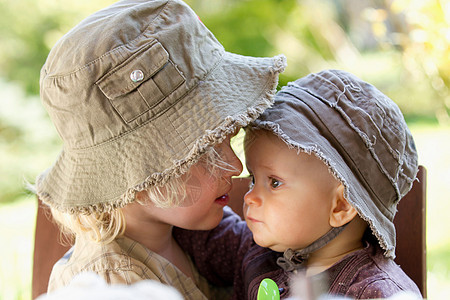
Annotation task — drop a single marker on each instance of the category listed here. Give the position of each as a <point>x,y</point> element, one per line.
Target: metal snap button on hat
<point>137,75</point>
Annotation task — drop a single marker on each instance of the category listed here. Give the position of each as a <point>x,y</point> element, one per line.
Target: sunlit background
<point>400,46</point>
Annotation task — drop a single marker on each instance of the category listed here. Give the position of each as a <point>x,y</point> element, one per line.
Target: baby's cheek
<point>244,210</point>
<point>258,238</point>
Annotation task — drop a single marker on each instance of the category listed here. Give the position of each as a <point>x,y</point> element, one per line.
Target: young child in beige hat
<point>145,100</point>
<point>329,162</point>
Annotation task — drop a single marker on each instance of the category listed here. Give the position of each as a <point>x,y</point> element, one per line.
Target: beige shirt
<point>125,261</point>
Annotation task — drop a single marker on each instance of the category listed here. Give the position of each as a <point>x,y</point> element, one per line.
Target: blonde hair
<point>99,227</point>
<point>107,226</point>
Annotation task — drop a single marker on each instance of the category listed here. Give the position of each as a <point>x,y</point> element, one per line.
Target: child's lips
<point>222,200</point>
<point>253,220</point>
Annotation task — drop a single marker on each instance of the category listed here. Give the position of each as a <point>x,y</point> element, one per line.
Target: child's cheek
<point>244,210</point>
<point>193,191</point>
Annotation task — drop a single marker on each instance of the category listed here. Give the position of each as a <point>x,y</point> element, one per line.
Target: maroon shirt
<point>227,255</point>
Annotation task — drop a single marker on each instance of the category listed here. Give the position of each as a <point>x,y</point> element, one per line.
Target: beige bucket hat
<point>138,92</point>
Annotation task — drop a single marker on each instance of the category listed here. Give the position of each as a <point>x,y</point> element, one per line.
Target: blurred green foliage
<point>28,30</point>
<point>401,46</point>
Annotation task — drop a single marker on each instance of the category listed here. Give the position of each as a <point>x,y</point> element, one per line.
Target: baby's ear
<point>341,211</point>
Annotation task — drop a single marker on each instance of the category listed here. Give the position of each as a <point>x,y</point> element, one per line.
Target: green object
<point>268,290</point>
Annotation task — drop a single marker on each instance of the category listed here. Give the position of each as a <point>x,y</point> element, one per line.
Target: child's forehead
<point>264,138</point>
<point>269,142</point>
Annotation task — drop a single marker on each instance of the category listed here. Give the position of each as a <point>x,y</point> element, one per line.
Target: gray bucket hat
<point>138,92</point>
<point>359,133</point>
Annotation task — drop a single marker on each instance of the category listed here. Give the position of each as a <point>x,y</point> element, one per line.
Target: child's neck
<point>157,237</point>
<point>348,241</point>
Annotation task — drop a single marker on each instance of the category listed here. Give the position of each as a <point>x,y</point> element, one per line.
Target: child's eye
<point>275,183</point>
<point>252,181</point>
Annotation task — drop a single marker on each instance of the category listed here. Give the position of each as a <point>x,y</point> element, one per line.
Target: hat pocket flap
<point>140,83</point>
<point>136,70</point>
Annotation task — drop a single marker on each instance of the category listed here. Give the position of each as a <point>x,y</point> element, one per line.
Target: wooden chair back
<point>409,222</point>
<point>47,250</point>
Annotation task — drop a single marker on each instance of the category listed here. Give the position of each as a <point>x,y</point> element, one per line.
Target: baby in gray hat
<point>329,162</point>
<point>145,100</point>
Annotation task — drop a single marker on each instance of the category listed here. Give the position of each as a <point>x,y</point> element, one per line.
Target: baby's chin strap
<point>293,259</point>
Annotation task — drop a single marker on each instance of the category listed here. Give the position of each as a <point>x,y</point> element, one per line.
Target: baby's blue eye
<point>274,183</point>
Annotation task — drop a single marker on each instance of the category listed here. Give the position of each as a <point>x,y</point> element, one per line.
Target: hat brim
<point>108,175</point>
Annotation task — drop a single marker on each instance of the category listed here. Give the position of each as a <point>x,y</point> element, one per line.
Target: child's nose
<point>251,198</point>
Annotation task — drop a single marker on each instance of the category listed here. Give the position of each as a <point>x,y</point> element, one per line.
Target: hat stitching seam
<point>61,76</point>
<point>371,150</point>
<point>125,63</point>
<point>93,177</point>
<point>108,53</point>
<point>153,105</point>
<point>361,133</point>
<point>118,48</point>
<point>154,19</point>
<point>176,130</point>
<point>153,41</point>
<point>394,153</point>
<point>370,145</point>
<point>337,108</point>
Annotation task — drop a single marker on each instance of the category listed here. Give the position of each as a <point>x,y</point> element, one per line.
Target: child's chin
<point>209,223</point>
<point>277,248</point>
